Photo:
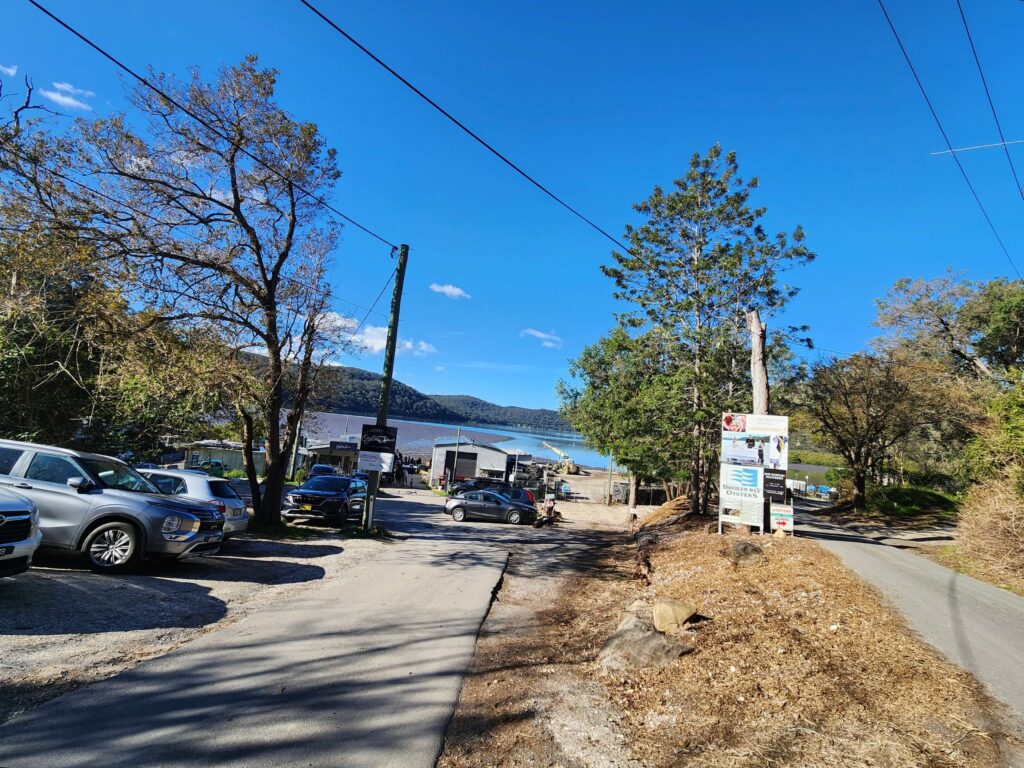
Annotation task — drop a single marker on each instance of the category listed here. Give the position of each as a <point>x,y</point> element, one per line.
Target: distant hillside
<point>482,412</point>
<point>353,390</point>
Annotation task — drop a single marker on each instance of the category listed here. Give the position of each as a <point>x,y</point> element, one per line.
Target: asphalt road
<point>363,670</point>
<point>973,624</point>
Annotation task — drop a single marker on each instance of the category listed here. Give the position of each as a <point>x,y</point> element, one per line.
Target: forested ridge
<point>352,390</point>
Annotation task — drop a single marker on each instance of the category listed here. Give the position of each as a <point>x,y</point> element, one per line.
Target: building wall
<point>232,458</point>
<point>488,461</point>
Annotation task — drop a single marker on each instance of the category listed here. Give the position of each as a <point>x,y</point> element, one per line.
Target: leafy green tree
<point>617,398</point>
<point>700,261</point>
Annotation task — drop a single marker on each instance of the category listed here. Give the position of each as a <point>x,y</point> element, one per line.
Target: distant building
<point>227,451</point>
<point>475,459</point>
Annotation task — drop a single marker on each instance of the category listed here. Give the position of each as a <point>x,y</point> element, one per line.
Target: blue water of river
<point>417,437</point>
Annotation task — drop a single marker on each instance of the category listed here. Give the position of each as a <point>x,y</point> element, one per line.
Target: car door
<point>472,503</point>
<point>62,509</point>
<point>492,507</point>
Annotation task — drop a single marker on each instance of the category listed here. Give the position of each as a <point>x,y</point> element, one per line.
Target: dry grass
<point>797,664</point>
<point>991,531</point>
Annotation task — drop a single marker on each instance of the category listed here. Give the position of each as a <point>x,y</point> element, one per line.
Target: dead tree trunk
<point>758,364</point>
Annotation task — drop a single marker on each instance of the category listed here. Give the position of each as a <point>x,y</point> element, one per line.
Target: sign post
<point>754,460</point>
<point>376,455</point>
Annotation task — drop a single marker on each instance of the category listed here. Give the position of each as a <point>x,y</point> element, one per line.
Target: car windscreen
<point>222,489</point>
<point>324,483</point>
<point>119,476</point>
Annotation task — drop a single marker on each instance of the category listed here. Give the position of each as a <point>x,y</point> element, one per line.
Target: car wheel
<point>112,548</point>
<point>514,517</point>
<point>458,514</point>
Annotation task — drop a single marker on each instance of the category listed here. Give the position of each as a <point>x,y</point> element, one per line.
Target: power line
<point>988,95</point>
<point>124,67</point>
<point>945,137</point>
<point>373,306</point>
<point>476,137</point>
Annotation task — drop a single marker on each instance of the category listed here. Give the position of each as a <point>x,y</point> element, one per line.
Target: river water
<point>417,437</point>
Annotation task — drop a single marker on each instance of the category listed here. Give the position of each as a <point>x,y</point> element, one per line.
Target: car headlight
<point>172,524</point>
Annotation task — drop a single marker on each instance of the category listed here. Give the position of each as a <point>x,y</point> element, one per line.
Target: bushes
<point>301,474</point>
<point>991,530</point>
<point>235,474</point>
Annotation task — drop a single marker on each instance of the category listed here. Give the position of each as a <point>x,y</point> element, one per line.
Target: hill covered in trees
<point>352,390</point>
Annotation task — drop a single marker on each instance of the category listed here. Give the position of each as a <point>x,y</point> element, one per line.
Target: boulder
<point>745,553</point>
<point>634,646</point>
<point>669,615</point>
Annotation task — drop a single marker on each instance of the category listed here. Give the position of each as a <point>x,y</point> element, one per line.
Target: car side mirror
<point>80,484</point>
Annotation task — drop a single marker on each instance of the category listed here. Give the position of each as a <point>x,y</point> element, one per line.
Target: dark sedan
<point>329,498</point>
<point>486,505</point>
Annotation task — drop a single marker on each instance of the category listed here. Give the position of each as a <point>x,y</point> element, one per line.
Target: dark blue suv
<point>325,497</point>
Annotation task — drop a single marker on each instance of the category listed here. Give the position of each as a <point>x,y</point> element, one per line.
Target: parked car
<point>213,490</point>
<point>145,465</point>
<point>213,467</point>
<point>325,498</point>
<point>319,470</point>
<point>103,508</point>
<point>19,533</point>
<point>488,505</point>
<point>479,484</point>
<point>519,495</point>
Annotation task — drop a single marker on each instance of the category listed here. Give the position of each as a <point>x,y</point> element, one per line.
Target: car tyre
<point>112,548</point>
<point>515,517</point>
<point>458,514</point>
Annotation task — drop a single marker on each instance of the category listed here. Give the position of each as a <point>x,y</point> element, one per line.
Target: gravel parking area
<point>62,626</point>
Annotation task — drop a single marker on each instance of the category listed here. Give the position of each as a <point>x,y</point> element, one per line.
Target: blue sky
<point>600,101</point>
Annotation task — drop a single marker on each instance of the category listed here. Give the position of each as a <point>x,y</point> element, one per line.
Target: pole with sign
<point>755,457</point>
<point>385,390</point>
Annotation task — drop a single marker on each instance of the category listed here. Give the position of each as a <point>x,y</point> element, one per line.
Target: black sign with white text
<point>378,439</point>
<point>775,485</point>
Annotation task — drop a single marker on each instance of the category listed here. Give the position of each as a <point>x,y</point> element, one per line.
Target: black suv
<point>325,497</point>
<point>480,484</point>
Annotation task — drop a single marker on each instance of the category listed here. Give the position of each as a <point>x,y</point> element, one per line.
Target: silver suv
<point>105,509</point>
<point>19,533</point>
<point>213,490</point>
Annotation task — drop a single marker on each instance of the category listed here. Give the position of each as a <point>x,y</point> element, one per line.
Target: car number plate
<point>305,506</point>
<point>6,551</point>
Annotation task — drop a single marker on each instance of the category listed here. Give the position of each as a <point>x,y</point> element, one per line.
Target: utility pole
<point>758,364</point>
<point>455,464</point>
<point>386,377</point>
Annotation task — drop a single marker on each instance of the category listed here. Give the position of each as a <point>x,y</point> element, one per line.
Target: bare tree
<point>215,227</point>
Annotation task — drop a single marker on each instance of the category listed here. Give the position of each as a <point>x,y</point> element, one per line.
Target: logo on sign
<point>746,478</point>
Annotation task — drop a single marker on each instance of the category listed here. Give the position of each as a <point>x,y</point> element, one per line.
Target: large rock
<point>635,646</point>
<point>669,615</point>
<point>745,553</point>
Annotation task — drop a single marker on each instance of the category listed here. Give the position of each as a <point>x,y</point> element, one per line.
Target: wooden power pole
<point>758,363</point>
<point>385,381</point>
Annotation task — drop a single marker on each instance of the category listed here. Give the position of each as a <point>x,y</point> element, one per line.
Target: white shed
<point>475,459</point>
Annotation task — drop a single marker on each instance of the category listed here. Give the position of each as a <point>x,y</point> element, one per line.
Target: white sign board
<point>782,517</point>
<point>752,445</point>
<point>371,461</point>
<point>739,491</point>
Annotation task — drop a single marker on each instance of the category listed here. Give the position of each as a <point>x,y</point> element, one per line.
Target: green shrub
<point>301,474</point>
<point>235,474</point>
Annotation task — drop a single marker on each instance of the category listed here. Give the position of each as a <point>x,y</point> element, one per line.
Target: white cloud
<point>439,368</point>
<point>551,340</point>
<point>10,71</point>
<point>374,339</point>
<point>64,95</point>
<point>449,290</point>
<point>70,90</point>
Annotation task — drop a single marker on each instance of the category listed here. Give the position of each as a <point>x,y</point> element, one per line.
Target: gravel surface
<point>62,626</point>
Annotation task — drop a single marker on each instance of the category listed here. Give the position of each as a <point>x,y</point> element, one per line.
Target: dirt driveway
<point>62,626</point>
